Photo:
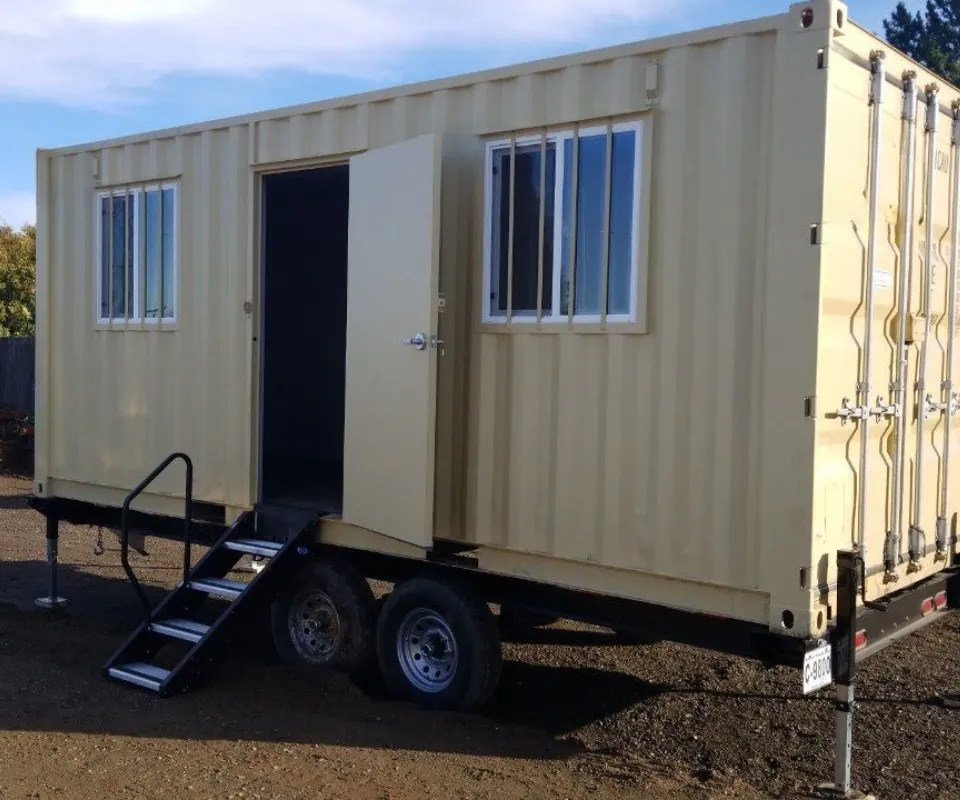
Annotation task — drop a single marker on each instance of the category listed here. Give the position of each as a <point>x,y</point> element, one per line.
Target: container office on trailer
<point>594,328</point>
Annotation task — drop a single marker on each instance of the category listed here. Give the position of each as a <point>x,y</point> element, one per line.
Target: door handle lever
<point>418,341</point>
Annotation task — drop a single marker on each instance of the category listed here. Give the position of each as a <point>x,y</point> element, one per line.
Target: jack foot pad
<point>51,602</point>
<point>829,791</point>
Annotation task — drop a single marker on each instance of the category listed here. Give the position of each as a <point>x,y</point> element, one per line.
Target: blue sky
<point>73,71</point>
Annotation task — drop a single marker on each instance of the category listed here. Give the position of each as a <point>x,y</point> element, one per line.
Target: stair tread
<point>185,629</point>
<point>218,585</point>
<point>148,676</point>
<point>254,546</point>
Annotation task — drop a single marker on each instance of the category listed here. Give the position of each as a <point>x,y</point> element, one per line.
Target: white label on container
<point>882,280</point>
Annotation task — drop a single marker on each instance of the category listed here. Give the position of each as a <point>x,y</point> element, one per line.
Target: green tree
<point>931,37</point>
<point>18,259</point>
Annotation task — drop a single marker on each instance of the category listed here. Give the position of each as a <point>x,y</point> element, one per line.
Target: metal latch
<point>847,412</point>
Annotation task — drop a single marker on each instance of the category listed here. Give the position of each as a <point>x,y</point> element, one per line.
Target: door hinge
<point>810,407</point>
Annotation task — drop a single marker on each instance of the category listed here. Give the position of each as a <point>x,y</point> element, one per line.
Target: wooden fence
<point>17,374</point>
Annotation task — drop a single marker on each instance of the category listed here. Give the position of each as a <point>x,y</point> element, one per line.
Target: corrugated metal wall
<point>121,400</point>
<point>639,451</point>
<point>147,392</point>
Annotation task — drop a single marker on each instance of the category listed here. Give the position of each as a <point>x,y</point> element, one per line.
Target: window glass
<point>138,261</point>
<point>526,228</point>
<point>169,253</point>
<point>591,207</point>
<point>118,220</point>
<point>622,214</point>
<point>582,245</point>
<point>152,251</point>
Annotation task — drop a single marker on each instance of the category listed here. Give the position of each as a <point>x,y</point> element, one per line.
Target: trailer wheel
<point>438,645</point>
<point>326,619</point>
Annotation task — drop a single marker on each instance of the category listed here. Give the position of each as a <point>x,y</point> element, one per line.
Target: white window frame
<point>137,317</point>
<point>558,138</point>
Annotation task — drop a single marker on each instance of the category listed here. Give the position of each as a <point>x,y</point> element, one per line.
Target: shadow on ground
<point>50,679</point>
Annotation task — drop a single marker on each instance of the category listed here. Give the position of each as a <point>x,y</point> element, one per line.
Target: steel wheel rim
<point>315,626</point>
<point>427,650</point>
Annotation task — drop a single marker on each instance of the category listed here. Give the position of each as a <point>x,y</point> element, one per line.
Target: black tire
<point>343,607</point>
<point>473,679</point>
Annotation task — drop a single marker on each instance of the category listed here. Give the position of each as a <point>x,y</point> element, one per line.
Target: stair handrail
<point>187,518</point>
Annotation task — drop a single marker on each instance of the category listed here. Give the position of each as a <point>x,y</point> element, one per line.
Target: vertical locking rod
<point>917,535</point>
<point>876,100</point>
<point>894,536</point>
<point>949,398</point>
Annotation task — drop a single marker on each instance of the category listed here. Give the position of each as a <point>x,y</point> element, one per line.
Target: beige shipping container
<point>674,415</point>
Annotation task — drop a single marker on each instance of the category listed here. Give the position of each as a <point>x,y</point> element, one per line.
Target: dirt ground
<point>578,713</point>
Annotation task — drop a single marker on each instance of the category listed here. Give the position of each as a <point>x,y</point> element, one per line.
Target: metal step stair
<point>184,629</point>
<point>220,587</point>
<point>139,674</point>
<point>174,620</point>
<point>254,547</point>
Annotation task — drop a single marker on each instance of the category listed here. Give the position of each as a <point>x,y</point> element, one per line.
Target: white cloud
<point>17,208</point>
<point>102,52</point>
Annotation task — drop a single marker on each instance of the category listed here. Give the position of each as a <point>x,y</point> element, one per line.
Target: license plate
<point>817,669</point>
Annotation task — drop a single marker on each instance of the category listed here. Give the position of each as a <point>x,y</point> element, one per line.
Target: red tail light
<point>860,640</point>
<point>940,600</point>
<point>927,607</point>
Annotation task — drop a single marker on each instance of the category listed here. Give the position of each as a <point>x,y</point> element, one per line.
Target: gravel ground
<point>577,714</point>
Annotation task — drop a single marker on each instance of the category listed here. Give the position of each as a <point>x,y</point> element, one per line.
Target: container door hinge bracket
<point>909,96</point>
<point>941,554</point>
<point>810,407</point>
<point>877,78</point>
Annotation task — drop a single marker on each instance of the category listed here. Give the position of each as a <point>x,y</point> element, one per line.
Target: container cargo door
<point>928,343</point>
<point>392,281</point>
<point>886,334</point>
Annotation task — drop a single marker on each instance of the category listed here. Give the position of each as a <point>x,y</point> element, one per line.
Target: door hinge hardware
<point>918,544</point>
<point>910,95</point>
<point>891,555</point>
<point>931,406</point>
<point>810,407</point>
<point>933,107</point>
<point>876,76</point>
<point>941,554</point>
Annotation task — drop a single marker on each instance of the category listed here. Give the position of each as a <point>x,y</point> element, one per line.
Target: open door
<point>392,283</point>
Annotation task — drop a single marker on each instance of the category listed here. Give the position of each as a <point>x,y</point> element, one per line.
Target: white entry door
<point>392,284</point>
